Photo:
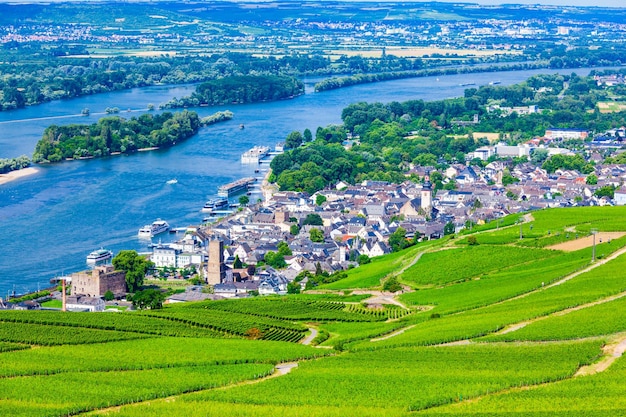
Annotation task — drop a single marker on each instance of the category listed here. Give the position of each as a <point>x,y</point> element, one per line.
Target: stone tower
<point>426,195</point>
<point>216,269</point>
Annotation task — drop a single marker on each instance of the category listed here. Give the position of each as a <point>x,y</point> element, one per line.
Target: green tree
<point>148,299</point>
<point>316,235</point>
<point>313,219</point>
<point>592,179</point>
<point>308,136</point>
<point>244,200</point>
<point>320,199</point>
<point>294,229</point>
<point>275,260</point>
<point>284,249</point>
<point>606,191</point>
<point>294,140</point>
<point>237,264</point>
<point>135,267</point>
<point>397,240</point>
<point>109,296</point>
<point>293,288</point>
<point>392,285</point>
<point>448,229</point>
<point>363,259</point>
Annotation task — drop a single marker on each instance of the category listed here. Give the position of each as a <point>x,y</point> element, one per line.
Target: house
<point>620,197</point>
<point>84,303</point>
<point>375,249</point>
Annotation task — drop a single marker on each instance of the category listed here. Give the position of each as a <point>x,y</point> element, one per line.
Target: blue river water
<point>50,221</point>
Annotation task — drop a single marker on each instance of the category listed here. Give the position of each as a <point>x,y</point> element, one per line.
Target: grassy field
<point>503,328</point>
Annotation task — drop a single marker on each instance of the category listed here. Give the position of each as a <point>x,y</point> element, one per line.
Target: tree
<point>606,191</point>
<point>294,140</point>
<point>539,156</point>
<point>397,240</point>
<point>244,200</point>
<point>448,229</point>
<point>313,219</point>
<point>293,288</point>
<point>320,199</point>
<point>275,260</point>
<point>294,229</point>
<point>109,296</point>
<point>592,179</point>
<point>363,259</point>
<point>308,136</point>
<point>237,264</point>
<point>150,298</point>
<point>316,235</point>
<point>392,285</point>
<point>135,267</point>
<point>284,249</point>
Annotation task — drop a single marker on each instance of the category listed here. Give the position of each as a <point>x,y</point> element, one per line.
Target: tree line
<point>383,141</point>
<point>239,90</point>
<point>115,135</point>
<point>13,164</point>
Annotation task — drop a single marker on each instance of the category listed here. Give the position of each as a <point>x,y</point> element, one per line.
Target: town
<point>290,241</point>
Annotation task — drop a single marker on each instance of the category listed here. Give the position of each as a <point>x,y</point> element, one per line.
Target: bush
<point>392,285</point>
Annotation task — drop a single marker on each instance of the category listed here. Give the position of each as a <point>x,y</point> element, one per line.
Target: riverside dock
<point>235,187</point>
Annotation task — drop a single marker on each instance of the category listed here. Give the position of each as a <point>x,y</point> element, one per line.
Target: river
<point>50,221</point>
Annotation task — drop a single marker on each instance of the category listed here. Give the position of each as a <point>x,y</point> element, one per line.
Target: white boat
<point>157,227</point>
<point>219,203</point>
<point>99,256</point>
<point>172,181</point>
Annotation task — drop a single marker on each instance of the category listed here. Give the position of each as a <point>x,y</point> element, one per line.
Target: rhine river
<point>50,221</point>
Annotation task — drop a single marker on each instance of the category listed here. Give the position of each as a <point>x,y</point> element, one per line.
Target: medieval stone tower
<point>216,269</point>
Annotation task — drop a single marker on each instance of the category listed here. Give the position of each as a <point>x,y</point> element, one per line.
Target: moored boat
<point>99,256</point>
<point>215,204</point>
<point>157,227</point>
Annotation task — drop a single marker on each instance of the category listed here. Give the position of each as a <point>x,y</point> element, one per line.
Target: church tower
<point>216,269</point>
<point>426,195</point>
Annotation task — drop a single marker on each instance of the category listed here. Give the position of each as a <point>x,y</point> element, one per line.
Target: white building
<point>620,197</point>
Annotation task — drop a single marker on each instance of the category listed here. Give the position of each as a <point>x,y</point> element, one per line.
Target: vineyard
<point>504,327</point>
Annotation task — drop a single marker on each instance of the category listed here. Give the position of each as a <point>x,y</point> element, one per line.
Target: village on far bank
<point>292,241</point>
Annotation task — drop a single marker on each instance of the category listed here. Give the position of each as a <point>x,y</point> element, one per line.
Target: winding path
<point>307,340</point>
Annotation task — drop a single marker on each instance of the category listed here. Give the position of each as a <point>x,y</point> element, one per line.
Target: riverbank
<point>267,188</point>
<point>13,175</point>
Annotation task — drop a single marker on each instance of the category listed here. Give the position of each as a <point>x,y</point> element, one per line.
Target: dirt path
<point>390,335</point>
<point>307,340</point>
<point>587,241</point>
<point>517,326</point>
<point>565,278</point>
<point>612,351</point>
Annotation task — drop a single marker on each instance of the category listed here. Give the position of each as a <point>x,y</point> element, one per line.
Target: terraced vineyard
<point>508,327</point>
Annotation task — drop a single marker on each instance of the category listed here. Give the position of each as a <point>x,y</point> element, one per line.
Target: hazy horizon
<point>576,3</point>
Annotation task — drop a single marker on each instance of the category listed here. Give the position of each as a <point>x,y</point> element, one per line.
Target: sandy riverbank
<point>13,175</point>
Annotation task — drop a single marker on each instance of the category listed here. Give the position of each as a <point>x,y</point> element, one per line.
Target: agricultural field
<point>611,106</point>
<point>505,327</point>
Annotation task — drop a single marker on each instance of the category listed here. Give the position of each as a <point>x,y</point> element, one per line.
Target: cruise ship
<point>219,203</point>
<point>154,229</point>
<point>99,256</point>
<point>254,155</point>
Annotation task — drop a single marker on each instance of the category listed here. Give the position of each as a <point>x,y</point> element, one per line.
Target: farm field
<point>506,327</point>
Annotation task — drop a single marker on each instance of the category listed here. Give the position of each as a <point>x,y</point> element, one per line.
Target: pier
<point>235,187</point>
